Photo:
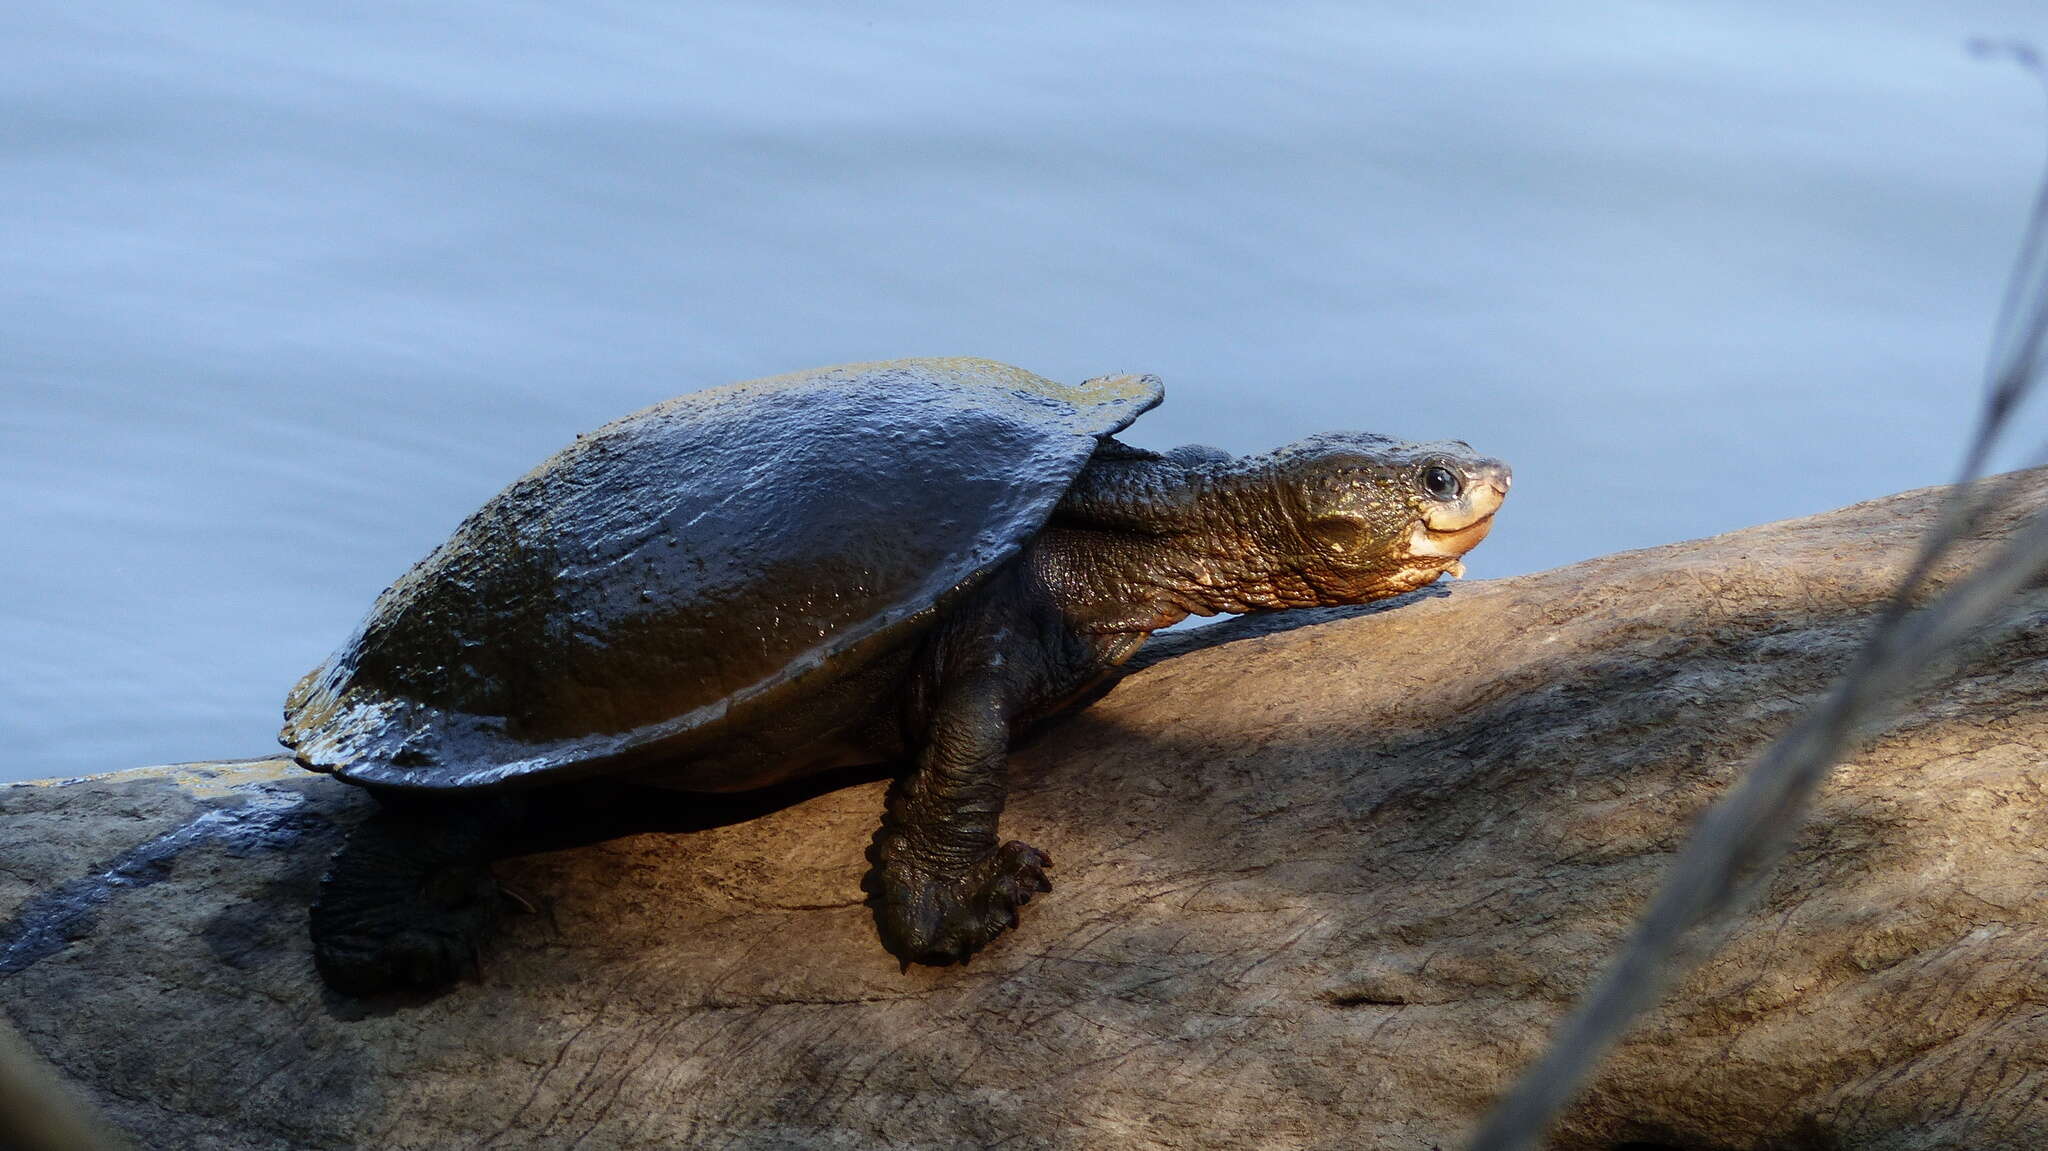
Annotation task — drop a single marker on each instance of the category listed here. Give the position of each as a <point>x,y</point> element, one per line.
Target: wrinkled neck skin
<point>1143,541</point>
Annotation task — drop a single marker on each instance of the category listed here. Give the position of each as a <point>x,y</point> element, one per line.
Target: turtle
<point>899,563</point>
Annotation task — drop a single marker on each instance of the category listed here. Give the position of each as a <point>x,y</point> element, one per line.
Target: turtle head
<point>1374,516</point>
<point>1340,518</point>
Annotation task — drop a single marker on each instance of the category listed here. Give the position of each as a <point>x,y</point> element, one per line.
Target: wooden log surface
<point>1324,879</point>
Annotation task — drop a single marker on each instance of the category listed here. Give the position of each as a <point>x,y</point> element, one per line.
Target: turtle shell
<point>683,568</point>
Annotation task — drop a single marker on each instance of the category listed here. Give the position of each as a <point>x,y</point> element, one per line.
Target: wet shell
<point>694,564</point>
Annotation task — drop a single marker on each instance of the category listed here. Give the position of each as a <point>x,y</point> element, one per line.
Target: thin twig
<point>36,1113</point>
<point>1743,836</point>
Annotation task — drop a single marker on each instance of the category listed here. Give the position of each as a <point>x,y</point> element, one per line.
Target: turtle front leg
<point>943,885</point>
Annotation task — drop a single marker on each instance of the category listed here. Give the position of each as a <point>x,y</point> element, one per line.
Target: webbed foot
<point>406,904</point>
<point>929,916</point>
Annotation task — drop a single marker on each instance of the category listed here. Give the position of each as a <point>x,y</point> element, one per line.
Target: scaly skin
<point>409,899</point>
<point>1141,542</point>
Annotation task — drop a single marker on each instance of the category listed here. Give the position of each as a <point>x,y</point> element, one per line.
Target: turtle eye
<point>1440,482</point>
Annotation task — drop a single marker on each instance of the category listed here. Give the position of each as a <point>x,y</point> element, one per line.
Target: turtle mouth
<point>1446,545</point>
<point>1446,531</point>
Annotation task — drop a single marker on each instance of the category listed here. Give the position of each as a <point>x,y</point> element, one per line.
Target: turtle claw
<point>420,945</point>
<point>526,904</point>
<point>401,911</point>
<point>939,919</point>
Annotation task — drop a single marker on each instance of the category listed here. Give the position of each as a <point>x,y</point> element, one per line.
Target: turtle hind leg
<point>409,900</point>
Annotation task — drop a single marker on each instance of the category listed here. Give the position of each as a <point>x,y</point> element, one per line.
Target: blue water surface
<point>286,290</point>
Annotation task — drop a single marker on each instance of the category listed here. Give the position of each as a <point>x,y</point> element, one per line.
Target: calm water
<point>283,298</point>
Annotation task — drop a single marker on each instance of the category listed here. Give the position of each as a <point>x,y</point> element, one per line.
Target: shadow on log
<point>1319,886</point>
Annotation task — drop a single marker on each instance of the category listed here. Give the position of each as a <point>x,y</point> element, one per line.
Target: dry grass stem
<point>1740,838</point>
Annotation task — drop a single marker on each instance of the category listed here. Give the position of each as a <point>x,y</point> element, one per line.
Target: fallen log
<point>1325,879</point>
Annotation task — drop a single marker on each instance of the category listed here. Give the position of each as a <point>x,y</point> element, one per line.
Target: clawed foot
<point>928,917</point>
<point>402,911</point>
